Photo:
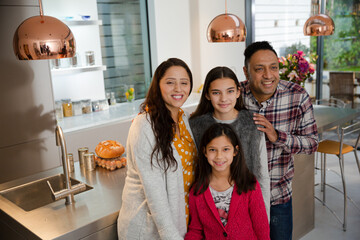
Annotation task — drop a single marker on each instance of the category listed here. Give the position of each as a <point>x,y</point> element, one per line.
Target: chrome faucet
<point>69,192</point>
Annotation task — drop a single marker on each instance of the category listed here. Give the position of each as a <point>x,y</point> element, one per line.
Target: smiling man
<point>283,111</point>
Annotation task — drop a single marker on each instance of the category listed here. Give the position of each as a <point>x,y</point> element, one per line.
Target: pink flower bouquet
<point>296,68</point>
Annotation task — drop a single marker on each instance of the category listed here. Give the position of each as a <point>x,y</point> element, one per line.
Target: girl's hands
<point>267,127</point>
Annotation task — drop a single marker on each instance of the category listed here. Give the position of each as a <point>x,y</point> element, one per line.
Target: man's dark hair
<point>254,47</point>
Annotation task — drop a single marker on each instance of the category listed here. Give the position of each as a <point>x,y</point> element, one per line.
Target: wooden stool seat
<point>333,147</point>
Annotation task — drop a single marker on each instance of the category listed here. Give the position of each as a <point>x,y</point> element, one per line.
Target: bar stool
<point>332,102</point>
<point>339,149</point>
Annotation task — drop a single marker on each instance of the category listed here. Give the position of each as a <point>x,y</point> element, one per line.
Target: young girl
<point>160,153</point>
<point>225,199</point>
<point>221,102</point>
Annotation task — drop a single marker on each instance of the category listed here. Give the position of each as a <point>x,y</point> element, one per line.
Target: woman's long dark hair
<point>161,121</point>
<point>239,173</point>
<point>205,105</point>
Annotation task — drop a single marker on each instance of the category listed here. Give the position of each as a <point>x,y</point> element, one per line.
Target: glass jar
<point>77,108</point>
<point>95,106</point>
<point>104,105</point>
<point>67,107</point>
<point>55,63</point>
<point>107,94</point>
<point>74,61</point>
<point>112,98</point>
<point>90,58</point>
<point>86,106</point>
<point>59,110</point>
<point>130,93</point>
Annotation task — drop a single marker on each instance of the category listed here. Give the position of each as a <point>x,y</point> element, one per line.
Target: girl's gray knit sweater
<point>252,141</point>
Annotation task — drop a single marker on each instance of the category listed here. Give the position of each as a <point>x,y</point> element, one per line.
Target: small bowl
<point>85,17</point>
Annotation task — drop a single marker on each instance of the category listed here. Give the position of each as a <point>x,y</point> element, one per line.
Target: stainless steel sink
<point>36,194</point>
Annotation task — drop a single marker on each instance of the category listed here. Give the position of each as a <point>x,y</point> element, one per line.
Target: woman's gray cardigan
<point>252,141</point>
<point>153,203</point>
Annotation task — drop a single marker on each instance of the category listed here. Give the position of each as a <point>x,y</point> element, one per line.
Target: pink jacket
<point>247,217</point>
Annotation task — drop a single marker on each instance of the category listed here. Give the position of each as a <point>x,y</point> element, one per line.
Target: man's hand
<point>267,128</point>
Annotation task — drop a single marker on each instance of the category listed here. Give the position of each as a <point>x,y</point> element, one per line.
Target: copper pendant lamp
<point>319,25</point>
<point>226,28</point>
<point>43,37</point>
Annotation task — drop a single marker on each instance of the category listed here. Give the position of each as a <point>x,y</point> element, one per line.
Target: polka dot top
<point>185,146</point>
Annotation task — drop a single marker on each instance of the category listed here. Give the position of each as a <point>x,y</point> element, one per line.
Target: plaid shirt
<point>290,111</point>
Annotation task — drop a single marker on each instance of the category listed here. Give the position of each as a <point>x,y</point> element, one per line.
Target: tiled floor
<point>327,227</point>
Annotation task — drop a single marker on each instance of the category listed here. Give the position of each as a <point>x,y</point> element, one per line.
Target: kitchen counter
<point>303,182</point>
<point>117,113</point>
<point>93,214</point>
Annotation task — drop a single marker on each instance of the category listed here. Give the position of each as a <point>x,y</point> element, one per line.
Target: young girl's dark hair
<point>161,121</point>
<point>205,105</point>
<point>239,173</point>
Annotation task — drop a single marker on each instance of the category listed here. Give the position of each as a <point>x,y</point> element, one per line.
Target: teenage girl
<point>225,199</point>
<point>221,102</point>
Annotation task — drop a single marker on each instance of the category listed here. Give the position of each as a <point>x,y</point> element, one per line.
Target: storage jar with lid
<point>90,58</point>
<point>95,106</point>
<point>104,105</point>
<point>59,110</point>
<point>67,107</point>
<point>112,98</point>
<point>77,108</point>
<point>86,106</point>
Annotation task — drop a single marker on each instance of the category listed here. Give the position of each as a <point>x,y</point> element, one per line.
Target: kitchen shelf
<point>82,22</point>
<point>78,69</point>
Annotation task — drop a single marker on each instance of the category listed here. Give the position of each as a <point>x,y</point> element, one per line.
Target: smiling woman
<point>160,153</point>
<point>175,88</point>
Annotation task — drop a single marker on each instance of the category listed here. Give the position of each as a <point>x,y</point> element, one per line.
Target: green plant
<point>292,49</point>
<point>341,50</point>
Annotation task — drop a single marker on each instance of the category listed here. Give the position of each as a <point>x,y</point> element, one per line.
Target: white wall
<point>169,22</point>
<point>178,29</point>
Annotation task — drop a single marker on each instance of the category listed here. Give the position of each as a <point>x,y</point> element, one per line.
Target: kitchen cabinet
<point>27,108</point>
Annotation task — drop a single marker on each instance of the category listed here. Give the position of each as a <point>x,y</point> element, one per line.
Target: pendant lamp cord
<point>225,7</point>
<point>40,6</point>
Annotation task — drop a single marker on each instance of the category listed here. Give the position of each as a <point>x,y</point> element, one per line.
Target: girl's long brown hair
<point>160,117</point>
<point>205,105</point>
<point>239,173</point>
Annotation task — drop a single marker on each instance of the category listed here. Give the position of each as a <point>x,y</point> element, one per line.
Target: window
<point>125,46</point>
<point>281,23</point>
